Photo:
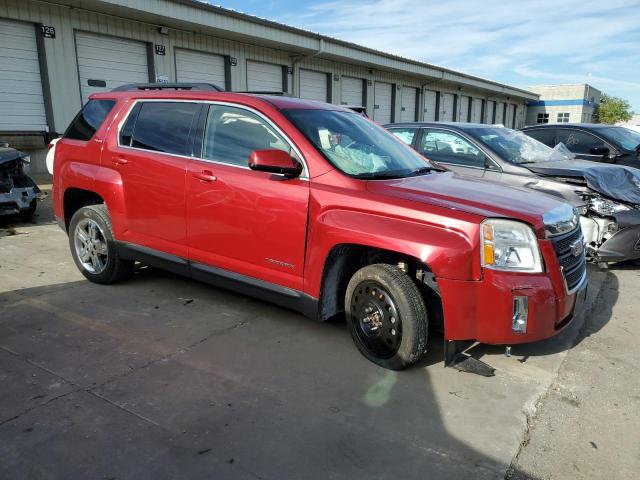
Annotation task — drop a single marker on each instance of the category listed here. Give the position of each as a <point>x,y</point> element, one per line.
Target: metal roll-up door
<point>200,67</point>
<point>463,110</point>
<point>21,100</point>
<point>430,105</point>
<point>499,112</point>
<point>108,62</point>
<point>408,105</point>
<point>446,109</point>
<point>264,77</point>
<point>491,108</point>
<point>510,121</point>
<point>352,91</point>
<point>313,85</point>
<point>476,110</point>
<point>383,103</point>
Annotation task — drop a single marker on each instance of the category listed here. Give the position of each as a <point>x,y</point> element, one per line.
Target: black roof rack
<point>265,92</point>
<point>130,87</point>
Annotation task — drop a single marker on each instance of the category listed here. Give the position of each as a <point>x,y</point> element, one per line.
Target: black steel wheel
<point>387,316</point>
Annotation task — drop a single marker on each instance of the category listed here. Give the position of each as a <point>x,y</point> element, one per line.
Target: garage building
<point>55,54</point>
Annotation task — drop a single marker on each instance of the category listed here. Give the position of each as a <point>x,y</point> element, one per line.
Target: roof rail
<point>168,86</point>
<point>265,92</point>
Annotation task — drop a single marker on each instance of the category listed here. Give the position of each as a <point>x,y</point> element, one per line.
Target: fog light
<point>520,314</point>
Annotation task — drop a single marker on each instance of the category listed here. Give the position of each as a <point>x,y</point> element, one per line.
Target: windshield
<point>516,147</point>
<point>357,146</point>
<point>623,137</point>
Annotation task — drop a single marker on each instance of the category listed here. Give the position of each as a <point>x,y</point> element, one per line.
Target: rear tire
<point>386,316</point>
<point>93,246</point>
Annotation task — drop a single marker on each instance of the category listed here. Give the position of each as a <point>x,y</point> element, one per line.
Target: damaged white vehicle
<point>18,192</point>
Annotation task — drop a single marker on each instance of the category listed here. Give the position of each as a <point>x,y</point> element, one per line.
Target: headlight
<point>509,245</point>
<point>605,207</point>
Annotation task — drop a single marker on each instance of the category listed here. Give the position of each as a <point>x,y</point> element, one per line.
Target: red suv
<point>316,208</point>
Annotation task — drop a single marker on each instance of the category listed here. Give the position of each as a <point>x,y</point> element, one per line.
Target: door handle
<point>205,176</point>
<point>120,161</point>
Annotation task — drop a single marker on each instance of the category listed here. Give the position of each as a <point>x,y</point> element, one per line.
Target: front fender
<point>449,249</point>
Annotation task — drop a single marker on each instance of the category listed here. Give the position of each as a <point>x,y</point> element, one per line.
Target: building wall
<point>579,101</point>
<point>61,66</point>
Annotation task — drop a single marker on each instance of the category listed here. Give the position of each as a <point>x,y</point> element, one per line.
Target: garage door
<point>313,85</point>
<point>408,105</point>
<point>264,77</point>
<point>430,105</point>
<point>352,91</point>
<point>383,103</point>
<point>446,110</point>
<point>499,112</point>
<point>199,67</point>
<point>463,110</point>
<point>476,110</point>
<point>510,120</point>
<point>21,101</point>
<point>107,62</point>
<point>491,107</point>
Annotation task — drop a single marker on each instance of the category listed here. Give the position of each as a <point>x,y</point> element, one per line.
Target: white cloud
<point>517,42</point>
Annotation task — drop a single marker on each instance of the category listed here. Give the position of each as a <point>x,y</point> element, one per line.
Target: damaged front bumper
<point>19,197</point>
<point>613,239</point>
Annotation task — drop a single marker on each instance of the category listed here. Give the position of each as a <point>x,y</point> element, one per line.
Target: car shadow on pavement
<point>163,377</point>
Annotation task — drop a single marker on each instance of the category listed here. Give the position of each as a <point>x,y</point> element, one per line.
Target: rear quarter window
<point>89,119</point>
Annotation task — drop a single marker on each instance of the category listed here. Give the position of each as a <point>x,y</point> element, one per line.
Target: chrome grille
<point>573,266</point>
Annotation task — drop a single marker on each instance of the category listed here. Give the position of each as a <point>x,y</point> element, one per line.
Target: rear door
<point>249,222</point>
<point>151,156</point>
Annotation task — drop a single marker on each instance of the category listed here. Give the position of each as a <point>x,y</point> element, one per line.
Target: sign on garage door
<point>199,67</point>
<point>107,62</point>
<point>430,105</point>
<point>313,85</point>
<point>264,77</point>
<point>21,100</point>
<point>463,109</point>
<point>446,111</point>
<point>499,112</point>
<point>476,110</point>
<point>383,102</point>
<point>352,92</point>
<point>408,106</point>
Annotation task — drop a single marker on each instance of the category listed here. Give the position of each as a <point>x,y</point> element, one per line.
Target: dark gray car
<point>607,196</point>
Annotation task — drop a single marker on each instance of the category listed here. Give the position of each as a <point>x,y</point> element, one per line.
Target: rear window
<point>84,126</point>
<point>161,127</point>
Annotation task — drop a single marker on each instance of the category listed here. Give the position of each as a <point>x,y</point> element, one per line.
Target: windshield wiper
<point>423,170</point>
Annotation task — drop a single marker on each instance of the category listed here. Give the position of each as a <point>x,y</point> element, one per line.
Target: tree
<point>612,110</point>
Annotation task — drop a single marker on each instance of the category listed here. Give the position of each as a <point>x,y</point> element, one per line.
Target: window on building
<point>563,117</point>
<point>543,118</point>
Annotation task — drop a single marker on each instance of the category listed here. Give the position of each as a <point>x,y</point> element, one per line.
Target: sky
<point>520,43</point>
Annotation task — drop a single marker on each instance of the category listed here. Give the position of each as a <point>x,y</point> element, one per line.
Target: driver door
<point>249,222</point>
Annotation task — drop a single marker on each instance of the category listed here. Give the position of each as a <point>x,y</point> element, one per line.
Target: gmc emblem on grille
<point>577,248</point>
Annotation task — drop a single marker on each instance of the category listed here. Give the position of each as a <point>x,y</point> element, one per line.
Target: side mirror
<point>599,151</point>
<point>274,161</point>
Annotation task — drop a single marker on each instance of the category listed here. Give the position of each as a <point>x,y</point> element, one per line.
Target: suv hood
<point>614,181</point>
<point>480,197</point>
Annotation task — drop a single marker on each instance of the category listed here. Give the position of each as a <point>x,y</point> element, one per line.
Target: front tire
<point>386,316</point>
<point>93,246</point>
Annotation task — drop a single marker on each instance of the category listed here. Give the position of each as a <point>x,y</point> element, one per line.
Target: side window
<point>404,134</point>
<point>448,147</point>
<point>546,136</point>
<point>233,133</point>
<point>163,127</point>
<point>84,126</point>
<point>579,142</point>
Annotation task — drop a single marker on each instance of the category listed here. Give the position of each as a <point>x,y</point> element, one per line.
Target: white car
<point>50,154</point>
